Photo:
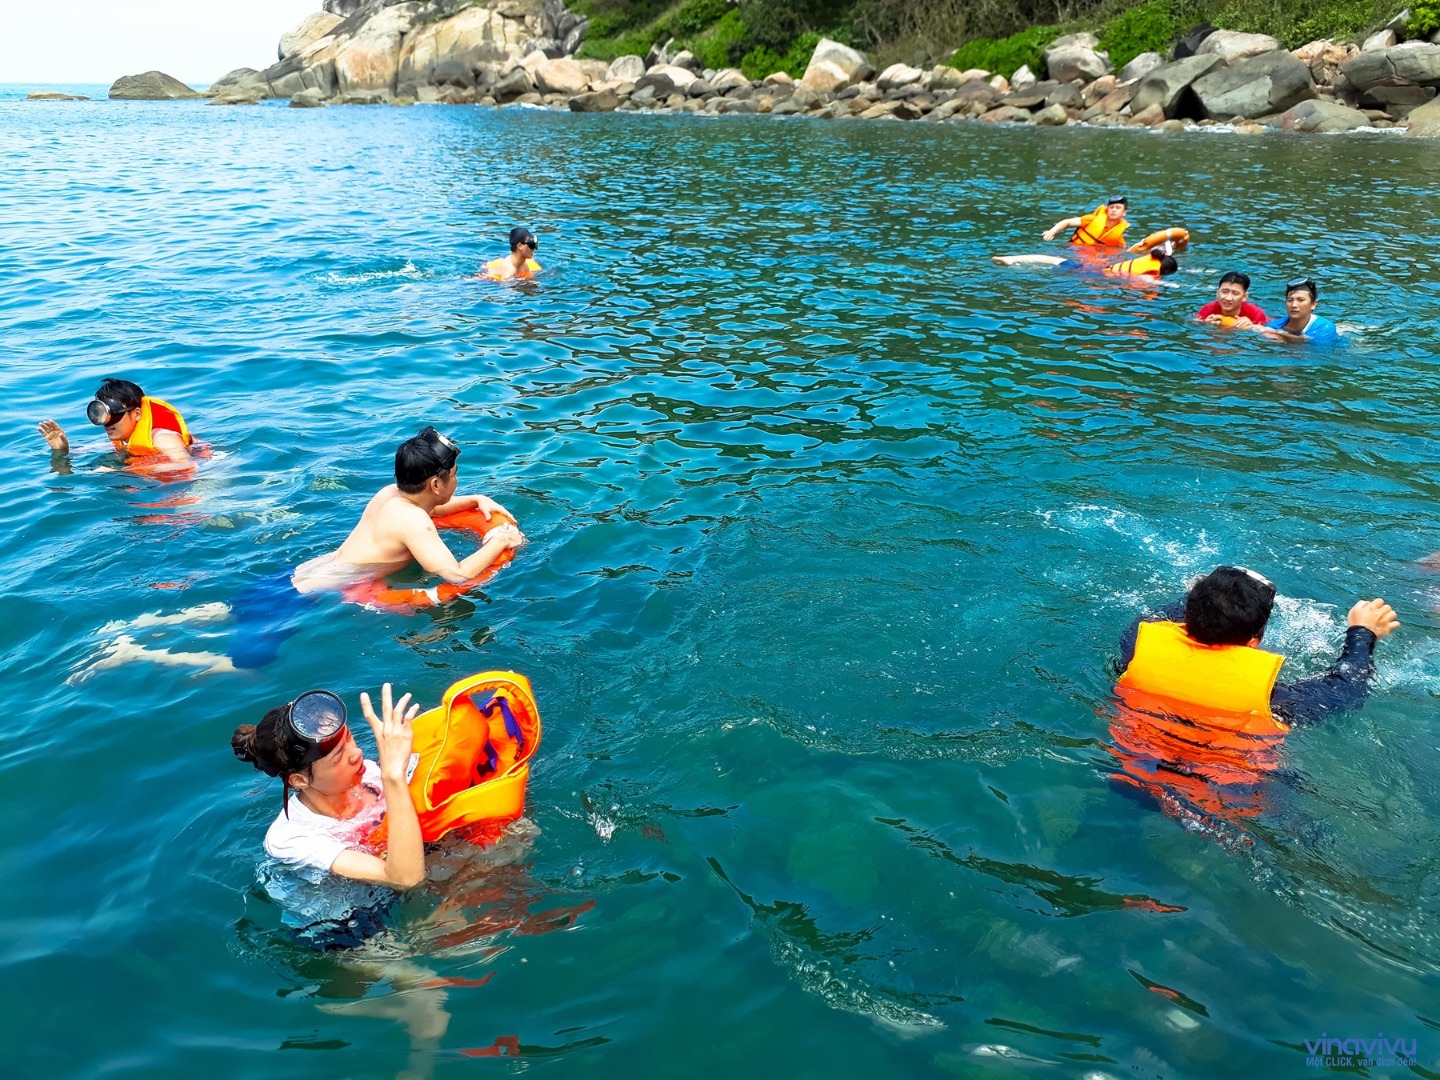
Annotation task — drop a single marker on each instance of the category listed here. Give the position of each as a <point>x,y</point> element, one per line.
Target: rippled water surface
<point>833,525</point>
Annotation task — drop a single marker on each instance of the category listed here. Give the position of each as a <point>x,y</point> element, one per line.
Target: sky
<point>97,41</point>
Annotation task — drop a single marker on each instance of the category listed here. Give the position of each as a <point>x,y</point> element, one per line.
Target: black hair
<point>1229,606</point>
<point>521,235</point>
<point>1168,265</point>
<point>1308,285</point>
<point>122,392</point>
<point>1234,277</point>
<point>421,457</point>
<point>266,746</point>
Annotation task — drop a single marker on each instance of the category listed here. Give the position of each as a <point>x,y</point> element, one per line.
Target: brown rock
<point>1148,116</point>
<point>1007,114</point>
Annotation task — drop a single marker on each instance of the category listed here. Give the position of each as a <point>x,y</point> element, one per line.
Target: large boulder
<point>1381,39</point>
<point>311,29</point>
<point>1076,56</point>
<point>1269,83</point>
<point>472,37</point>
<point>898,75</point>
<point>1166,84</point>
<point>563,76</point>
<point>625,69</point>
<point>515,81</point>
<point>1233,46</point>
<point>724,80</point>
<point>1023,79</point>
<point>312,68</point>
<point>151,86</point>
<point>834,66</point>
<point>238,77</point>
<point>665,79</point>
<point>1322,116</point>
<point>602,100</point>
<point>1141,66</point>
<point>370,58</point>
<point>1413,62</point>
<point>1428,113</point>
<point>1325,59</point>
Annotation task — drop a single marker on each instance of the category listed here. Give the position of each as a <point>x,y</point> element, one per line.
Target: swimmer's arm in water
<point>404,864</point>
<point>461,503</point>
<point>55,435</point>
<point>1060,226</point>
<point>1345,684</point>
<point>173,448</point>
<point>425,547</point>
<point>1018,260</point>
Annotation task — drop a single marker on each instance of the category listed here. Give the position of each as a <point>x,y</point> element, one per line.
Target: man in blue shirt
<point>1301,320</point>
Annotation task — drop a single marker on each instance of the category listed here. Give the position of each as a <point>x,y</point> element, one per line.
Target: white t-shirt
<point>309,843</point>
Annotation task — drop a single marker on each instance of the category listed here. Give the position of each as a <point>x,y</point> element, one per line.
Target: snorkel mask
<point>102,412</point>
<point>314,726</point>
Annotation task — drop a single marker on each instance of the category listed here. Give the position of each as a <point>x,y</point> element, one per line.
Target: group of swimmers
<point>1104,229</point>
<point>1202,712</point>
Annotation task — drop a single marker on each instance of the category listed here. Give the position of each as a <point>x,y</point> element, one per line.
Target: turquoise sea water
<point>833,528</point>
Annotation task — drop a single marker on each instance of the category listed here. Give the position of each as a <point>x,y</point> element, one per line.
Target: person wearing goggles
<point>397,527</point>
<point>332,797</point>
<point>521,261</point>
<point>1301,321</point>
<point>136,424</point>
<point>1103,227</point>
<point>1228,610</point>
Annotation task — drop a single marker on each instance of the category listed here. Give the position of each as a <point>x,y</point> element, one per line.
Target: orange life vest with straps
<point>155,415</point>
<point>471,757</point>
<point>1144,266</point>
<point>1095,230</point>
<point>495,269</point>
<point>1195,719</point>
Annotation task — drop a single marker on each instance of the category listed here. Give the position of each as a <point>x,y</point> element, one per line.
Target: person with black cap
<point>1103,227</point>
<point>136,424</point>
<point>521,261</point>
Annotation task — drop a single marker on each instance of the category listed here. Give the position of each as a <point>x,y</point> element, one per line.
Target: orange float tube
<point>378,593</point>
<point>471,757</point>
<point>1180,238</point>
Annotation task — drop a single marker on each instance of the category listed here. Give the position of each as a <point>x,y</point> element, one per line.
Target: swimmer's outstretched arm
<point>461,503</point>
<point>426,548</point>
<point>55,435</point>
<point>1060,226</point>
<point>1346,683</point>
<point>404,864</point>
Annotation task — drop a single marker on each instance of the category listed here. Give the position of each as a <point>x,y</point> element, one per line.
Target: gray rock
<point>514,83</point>
<point>1166,84</point>
<point>658,54</point>
<point>307,99</point>
<point>686,59</point>
<point>1067,63</point>
<point>1381,39</point>
<point>1382,97</point>
<point>1066,95</point>
<point>644,97</point>
<point>1141,66</point>
<point>151,86</point>
<point>625,69</point>
<point>1023,79</point>
<point>310,30</point>
<point>1413,62</point>
<point>1149,116</point>
<point>1269,83</point>
<point>728,79</point>
<point>788,107</point>
<point>700,88</point>
<point>730,106</point>
<point>977,91</point>
<point>235,78</point>
<point>943,77</point>
<point>240,95</point>
<point>562,76</point>
<point>603,100</point>
<point>1428,113</point>
<point>1052,116</point>
<point>1032,98</point>
<point>1007,114</point>
<point>1171,126</point>
<point>52,95</point>
<point>1232,46</point>
<point>1322,116</point>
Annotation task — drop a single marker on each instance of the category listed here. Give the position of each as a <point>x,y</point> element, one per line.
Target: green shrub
<point>760,61</point>
<point>1424,18</point>
<point>1296,22</point>
<point>1003,56</point>
<point>723,44</point>
<point>1147,28</point>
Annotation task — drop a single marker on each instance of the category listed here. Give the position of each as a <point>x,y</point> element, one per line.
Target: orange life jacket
<point>1195,720</point>
<point>379,593</point>
<point>471,757</point>
<point>1096,230</point>
<point>494,269</point>
<point>1144,266</point>
<point>155,415</point>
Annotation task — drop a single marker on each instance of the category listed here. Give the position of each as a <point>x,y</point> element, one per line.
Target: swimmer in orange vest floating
<point>1103,227</point>
<point>521,261</point>
<point>138,426</point>
<point>1156,263</point>
<point>1202,715</point>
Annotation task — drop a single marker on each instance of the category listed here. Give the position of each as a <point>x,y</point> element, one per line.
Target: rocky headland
<point>499,52</point>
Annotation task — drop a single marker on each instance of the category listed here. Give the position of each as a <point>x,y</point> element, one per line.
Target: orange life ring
<point>378,593</point>
<point>1177,236</point>
<point>472,758</point>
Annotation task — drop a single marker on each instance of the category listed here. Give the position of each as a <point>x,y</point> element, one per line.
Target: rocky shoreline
<point>499,52</point>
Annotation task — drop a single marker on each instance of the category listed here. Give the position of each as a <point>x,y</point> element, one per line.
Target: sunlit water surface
<point>833,528</point>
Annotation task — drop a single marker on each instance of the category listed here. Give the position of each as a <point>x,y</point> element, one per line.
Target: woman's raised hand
<point>393,733</point>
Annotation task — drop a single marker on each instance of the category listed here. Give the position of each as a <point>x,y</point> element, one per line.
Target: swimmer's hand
<point>1214,320</point>
<point>489,506</point>
<point>506,536</point>
<point>1052,232</point>
<point>394,736</point>
<point>1375,615</point>
<point>1242,323</point>
<point>54,435</point>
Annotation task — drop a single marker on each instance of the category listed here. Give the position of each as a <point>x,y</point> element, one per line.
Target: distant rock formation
<point>151,86</point>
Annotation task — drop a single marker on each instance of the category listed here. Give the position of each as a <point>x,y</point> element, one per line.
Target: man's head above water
<point>1229,606</point>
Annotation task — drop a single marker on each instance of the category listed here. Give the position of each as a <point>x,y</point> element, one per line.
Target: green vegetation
<point>761,36</point>
<point>1424,17</point>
